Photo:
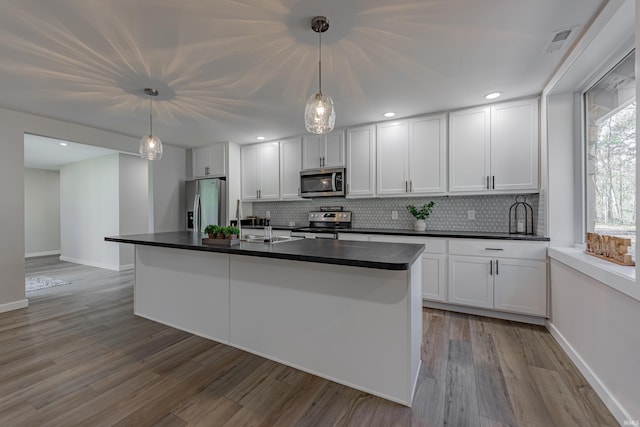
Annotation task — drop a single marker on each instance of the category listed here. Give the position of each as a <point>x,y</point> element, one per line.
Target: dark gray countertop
<point>428,233</point>
<point>385,256</point>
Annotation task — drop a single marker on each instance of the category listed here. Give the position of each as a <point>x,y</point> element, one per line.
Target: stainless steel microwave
<point>325,182</point>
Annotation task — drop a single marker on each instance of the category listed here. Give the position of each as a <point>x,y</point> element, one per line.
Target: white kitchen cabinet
<point>500,275</point>
<point>470,281</point>
<point>514,146</point>
<point>494,148</point>
<point>209,161</point>
<point>323,151</point>
<point>412,156</point>
<point>361,166</point>
<point>260,164</point>
<point>434,262</point>
<point>290,166</point>
<point>520,286</point>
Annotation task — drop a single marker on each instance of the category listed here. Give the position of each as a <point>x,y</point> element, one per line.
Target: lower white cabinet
<point>434,261</point>
<point>470,282</point>
<point>500,275</point>
<point>520,286</point>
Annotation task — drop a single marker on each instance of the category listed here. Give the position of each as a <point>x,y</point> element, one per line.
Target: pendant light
<point>150,145</point>
<point>319,113</point>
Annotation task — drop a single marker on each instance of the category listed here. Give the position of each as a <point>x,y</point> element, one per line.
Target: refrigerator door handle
<point>196,213</point>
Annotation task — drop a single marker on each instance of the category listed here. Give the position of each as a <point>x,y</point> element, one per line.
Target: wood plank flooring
<point>78,357</point>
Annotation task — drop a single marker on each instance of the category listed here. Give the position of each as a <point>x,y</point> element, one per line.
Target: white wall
<point>89,210</point>
<point>133,190</point>
<point>166,194</point>
<point>561,152</point>
<point>598,327</point>
<point>41,212</point>
<point>13,126</point>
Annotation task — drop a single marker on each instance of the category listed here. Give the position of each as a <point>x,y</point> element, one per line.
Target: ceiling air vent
<point>559,39</point>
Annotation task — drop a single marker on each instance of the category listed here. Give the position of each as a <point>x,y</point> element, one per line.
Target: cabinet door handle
<point>493,249</point>
<point>491,267</point>
<point>493,182</point>
<point>488,182</point>
<point>410,186</point>
<point>497,268</point>
<point>347,188</point>
<point>257,194</point>
<point>406,186</point>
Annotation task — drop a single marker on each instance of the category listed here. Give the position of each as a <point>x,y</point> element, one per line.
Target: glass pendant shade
<point>319,114</point>
<point>150,147</point>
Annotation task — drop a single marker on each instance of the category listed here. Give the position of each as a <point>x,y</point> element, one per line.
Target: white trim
<point>598,386</point>
<point>618,277</point>
<point>46,253</point>
<point>485,312</point>
<point>15,305</point>
<point>95,264</point>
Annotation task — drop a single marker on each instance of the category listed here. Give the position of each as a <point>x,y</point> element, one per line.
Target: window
<point>610,120</point>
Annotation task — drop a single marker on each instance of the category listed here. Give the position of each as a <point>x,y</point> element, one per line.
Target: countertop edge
<point>380,265</point>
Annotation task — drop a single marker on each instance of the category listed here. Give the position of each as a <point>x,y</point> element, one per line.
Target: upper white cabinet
<point>290,166</point>
<point>323,151</point>
<point>494,148</point>
<point>260,164</point>
<point>209,161</point>
<point>361,166</point>
<point>411,156</point>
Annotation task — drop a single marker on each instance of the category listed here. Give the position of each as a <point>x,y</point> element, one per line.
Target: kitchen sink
<point>276,239</point>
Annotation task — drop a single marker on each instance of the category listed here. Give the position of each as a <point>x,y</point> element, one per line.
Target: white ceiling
<point>230,70</point>
<point>49,153</point>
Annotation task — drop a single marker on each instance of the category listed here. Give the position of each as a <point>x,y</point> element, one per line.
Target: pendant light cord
<point>150,116</point>
<point>320,62</point>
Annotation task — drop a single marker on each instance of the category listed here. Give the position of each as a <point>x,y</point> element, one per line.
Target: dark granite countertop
<point>385,256</point>
<point>428,233</point>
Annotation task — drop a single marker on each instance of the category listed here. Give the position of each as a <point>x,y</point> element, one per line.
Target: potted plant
<point>212,230</point>
<point>222,232</point>
<point>420,214</point>
<point>233,232</point>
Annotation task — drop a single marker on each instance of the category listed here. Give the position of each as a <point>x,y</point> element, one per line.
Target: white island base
<point>360,327</point>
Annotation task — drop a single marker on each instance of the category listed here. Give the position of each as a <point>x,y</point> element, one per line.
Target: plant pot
<point>420,225</point>
<point>211,235</point>
<point>232,236</point>
<point>220,236</point>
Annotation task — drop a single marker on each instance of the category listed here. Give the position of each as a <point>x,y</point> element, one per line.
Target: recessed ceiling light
<point>64,144</point>
<point>260,138</point>
<point>389,114</point>
<point>493,95</point>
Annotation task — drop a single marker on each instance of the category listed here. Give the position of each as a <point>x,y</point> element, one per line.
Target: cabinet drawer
<point>431,246</point>
<point>498,248</point>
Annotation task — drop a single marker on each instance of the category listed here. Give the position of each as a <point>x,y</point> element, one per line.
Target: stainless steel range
<point>325,223</point>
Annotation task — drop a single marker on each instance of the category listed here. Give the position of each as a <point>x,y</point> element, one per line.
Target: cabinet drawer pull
<point>493,249</point>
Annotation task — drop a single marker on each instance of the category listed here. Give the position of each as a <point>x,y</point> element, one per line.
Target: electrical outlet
<point>268,214</point>
<point>471,215</point>
<point>394,214</point>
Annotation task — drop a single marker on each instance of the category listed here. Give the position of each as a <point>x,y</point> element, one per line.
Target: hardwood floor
<point>78,356</point>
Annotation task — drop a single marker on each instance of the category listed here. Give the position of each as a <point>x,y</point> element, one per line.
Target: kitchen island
<point>350,312</point>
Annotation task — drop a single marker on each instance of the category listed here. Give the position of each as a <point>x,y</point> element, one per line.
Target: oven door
<point>322,183</point>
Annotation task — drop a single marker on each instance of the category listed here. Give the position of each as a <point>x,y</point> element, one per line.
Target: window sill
<point>618,277</point>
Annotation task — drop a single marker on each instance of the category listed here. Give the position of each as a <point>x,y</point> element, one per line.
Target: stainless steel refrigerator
<point>206,203</point>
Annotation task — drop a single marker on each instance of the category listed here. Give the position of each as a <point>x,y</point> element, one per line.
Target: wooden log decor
<point>609,248</point>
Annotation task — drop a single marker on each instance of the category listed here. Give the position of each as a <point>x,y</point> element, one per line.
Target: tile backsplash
<point>449,213</point>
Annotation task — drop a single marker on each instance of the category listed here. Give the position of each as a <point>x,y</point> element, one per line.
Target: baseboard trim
<point>15,305</point>
<point>126,267</point>
<point>90,263</point>
<point>523,318</point>
<point>617,410</point>
<point>46,253</point>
